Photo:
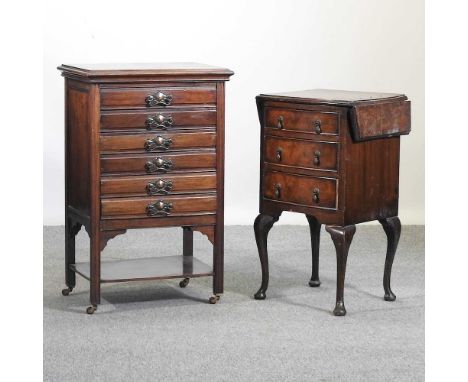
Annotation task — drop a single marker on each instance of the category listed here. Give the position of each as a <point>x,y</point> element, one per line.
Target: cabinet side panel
<point>372,175</point>
<point>77,156</point>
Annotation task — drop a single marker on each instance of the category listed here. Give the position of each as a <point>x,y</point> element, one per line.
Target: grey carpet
<point>156,331</point>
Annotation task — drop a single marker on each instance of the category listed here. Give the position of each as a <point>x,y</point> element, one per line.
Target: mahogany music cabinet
<point>144,147</point>
<point>333,156</point>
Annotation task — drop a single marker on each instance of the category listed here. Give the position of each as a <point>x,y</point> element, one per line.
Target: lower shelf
<point>154,268</point>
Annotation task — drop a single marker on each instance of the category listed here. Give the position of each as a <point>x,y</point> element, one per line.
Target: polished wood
<point>301,120</point>
<point>262,226</point>
<point>155,268</point>
<point>131,97</point>
<point>199,218</point>
<point>139,142</point>
<point>185,204</point>
<point>342,237</point>
<point>136,163</point>
<point>354,180</point>
<point>144,148</point>
<point>137,186</point>
<point>190,117</point>
<point>299,153</point>
<point>392,228</point>
<point>297,189</point>
<point>314,227</point>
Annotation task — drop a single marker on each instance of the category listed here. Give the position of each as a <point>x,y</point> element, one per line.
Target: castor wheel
<point>314,283</point>
<point>91,309</point>
<point>66,291</point>
<point>214,299</point>
<point>184,282</point>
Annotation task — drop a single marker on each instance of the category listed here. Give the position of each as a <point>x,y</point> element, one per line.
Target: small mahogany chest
<point>333,156</point>
<point>144,147</point>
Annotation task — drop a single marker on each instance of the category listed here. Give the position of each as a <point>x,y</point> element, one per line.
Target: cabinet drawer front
<point>157,141</point>
<point>158,119</point>
<point>158,184</point>
<point>306,154</point>
<point>158,206</point>
<point>157,163</point>
<point>315,122</point>
<point>146,97</point>
<point>305,190</point>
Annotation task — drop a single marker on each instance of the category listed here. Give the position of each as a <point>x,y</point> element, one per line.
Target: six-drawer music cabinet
<point>144,147</point>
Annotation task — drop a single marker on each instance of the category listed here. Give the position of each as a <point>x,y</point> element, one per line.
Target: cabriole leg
<point>314,226</point>
<point>342,237</point>
<point>263,224</point>
<point>392,228</point>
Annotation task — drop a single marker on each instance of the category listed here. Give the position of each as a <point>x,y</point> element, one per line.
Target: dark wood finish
<point>144,147</point>
<point>190,117</point>
<point>342,237</point>
<point>107,235</point>
<point>135,97</point>
<point>201,218</point>
<point>313,122</point>
<point>297,189</point>
<point>155,268</point>
<point>354,180</point>
<point>392,228</point>
<point>138,186</point>
<point>305,154</point>
<point>187,241</point>
<point>314,226</point>
<point>263,224</point>
<point>141,142</point>
<point>372,121</point>
<point>186,204</point>
<point>136,163</point>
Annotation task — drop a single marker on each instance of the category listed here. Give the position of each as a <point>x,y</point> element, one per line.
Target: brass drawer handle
<point>159,208</point>
<point>158,165</point>
<point>279,154</point>
<point>317,157</point>
<point>277,191</point>
<point>158,143</point>
<point>318,126</point>
<point>159,122</point>
<point>280,124</point>
<point>159,187</point>
<point>158,99</point>
<point>316,195</point>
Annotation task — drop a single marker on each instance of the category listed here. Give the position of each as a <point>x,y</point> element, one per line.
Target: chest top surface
<point>331,96</point>
<point>90,72</point>
<point>371,115</point>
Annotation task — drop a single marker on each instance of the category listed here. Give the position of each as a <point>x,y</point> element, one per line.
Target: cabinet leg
<point>392,228</point>
<point>187,241</point>
<point>263,224</point>
<point>314,226</point>
<point>342,237</point>
<point>187,250</point>
<point>218,260</point>
<point>71,230</point>
<point>95,273</point>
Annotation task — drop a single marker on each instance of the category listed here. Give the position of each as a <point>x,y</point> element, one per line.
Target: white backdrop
<point>271,46</point>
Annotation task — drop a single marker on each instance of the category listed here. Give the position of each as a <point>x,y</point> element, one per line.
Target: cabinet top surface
<point>139,69</point>
<point>329,96</point>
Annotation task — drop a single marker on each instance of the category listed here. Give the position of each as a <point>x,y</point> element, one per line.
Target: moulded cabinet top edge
<point>332,97</point>
<point>148,70</point>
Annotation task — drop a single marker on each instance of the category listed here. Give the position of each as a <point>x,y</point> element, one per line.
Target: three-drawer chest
<point>333,156</point>
<point>144,147</point>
